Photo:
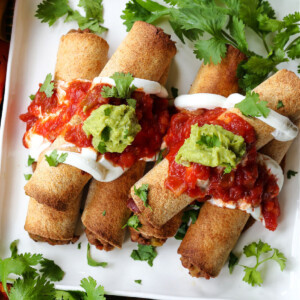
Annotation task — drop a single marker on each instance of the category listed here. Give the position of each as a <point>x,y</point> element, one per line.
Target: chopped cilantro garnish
<point>104,213</point>
<point>27,176</point>
<point>133,222</point>
<point>79,246</point>
<point>14,248</point>
<point>54,159</point>
<point>144,253</point>
<point>291,173</point>
<point>233,260</point>
<point>138,281</point>
<point>30,161</point>
<point>142,193</point>
<point>123,88</point>
<point>279,104</point>
<point>91,262</point>
<point>32,97</point>
<point>251,106</point>
<point>48,86</point>
<point>209,141</point>
<point>93,292</point>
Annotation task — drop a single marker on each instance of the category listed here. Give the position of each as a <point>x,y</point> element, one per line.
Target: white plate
<point>32,56</point>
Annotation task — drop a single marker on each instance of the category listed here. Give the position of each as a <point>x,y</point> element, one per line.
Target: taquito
<point>208,242</point>
<point>162,201</point>
<point>149,235</point>
<point>146,53</point>
<point>80,55</point>
<point>105,211</point>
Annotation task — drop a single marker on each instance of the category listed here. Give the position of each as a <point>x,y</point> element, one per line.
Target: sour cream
<point>147,86</point>
<point>256,212</point>
<point>285,129</point>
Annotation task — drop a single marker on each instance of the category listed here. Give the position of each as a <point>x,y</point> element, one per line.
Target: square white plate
<point>32,56</point>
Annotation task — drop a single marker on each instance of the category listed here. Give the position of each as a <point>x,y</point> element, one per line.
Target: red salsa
<point>50,117</point>
<point>250,181</point>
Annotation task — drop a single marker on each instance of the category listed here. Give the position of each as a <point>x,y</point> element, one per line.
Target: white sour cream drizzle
<point>275,169</point>
<point>147,86</point>
<point>102,170</point>
<point>285,129</point>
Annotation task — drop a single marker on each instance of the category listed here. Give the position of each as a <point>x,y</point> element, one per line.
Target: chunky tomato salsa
<point>250,180</point>
<point>51,116</point>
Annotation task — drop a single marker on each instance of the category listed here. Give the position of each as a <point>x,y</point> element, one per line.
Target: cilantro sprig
<point>91,262</point>
<point>144,253</point>
<point>123,88</point>
<point>142,193</point>
<point>54,159</point>
<point>133,222</point>
<point>48,86</point>
<point>49,11</point>
<point>225,22</point>
<point>291,173</point>
<point>252,106</point>
<point>258,250</point>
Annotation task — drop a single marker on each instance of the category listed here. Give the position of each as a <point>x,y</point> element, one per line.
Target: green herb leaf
<point>102,147</point>
<point>291,173</point>
<point>252,276</point>
<point>279,258</point>
<point>49,11</point>
<point>30,161</point>
<point>138,281</point>
<point>54,159</point>
<point>131,102</point>
<point>51,270</point>
<point>27,176</point>
<point>104,213</point>
<point>14,248</point>
<point>251,106</point>
<point>133,222</point>
<point>279,104</point>
<point>162,153</point>
<point>32,97</point>
<point>105,133</point>
<point>107,111</point>
<point>48,86</point>
<point>209,141</point>
<point>144,253</point>
<point>122,89</point>
<point>91,261</point>
<point>174,92</point>
<point>93,292</point>
<point>142,193</point>
<point>79,246</point>
<point>233,260</point>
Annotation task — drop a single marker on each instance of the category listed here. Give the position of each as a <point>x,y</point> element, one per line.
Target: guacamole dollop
<point>211,145</point>
<point>113,127</point>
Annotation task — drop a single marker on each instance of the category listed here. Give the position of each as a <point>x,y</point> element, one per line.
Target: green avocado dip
<point>113,127</point>
<point>212,145</point>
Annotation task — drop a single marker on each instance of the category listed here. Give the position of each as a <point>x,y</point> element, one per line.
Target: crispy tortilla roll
<point>146,53</point>
<point>283,86</point>
<point>149,235</point>
<point>162,201</point>
<point>80,54</point>
<point>45,224</point>
<point>207,243</point>
<point>106,212</point>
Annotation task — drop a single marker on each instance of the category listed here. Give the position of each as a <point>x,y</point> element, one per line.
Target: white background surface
<point>32,56</point>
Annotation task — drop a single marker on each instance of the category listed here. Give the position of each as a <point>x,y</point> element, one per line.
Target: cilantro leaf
<point>144,253</point>
<point>32,289</point>
<point>142,193</point>
<point>104,213</point>
<point>91,262</point>
<point>51,270</point>
<point>54,159</point>
<point>279,104</point>
<point>233,260</point>
<point>291,173</point>
<point>93,292</point>
<point>209,141</point>
<point>138,281</point>
<point>251,106</point>
<point>27,176</point>
<point>47,86</point>
<point>133,222</point>
<point>252,276</point>
<point>30,161</point>
<point>79,246</point>
<point>32,97</point>
<point>237,30</point>
<point>49,11</point>
<point>280,258</point>
<point>93,9</point>
<point>161,155</point>
<point>14,248</point>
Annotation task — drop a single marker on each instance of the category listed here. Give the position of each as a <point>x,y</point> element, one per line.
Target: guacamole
<point>211,145</point>
<point>113,127</point>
